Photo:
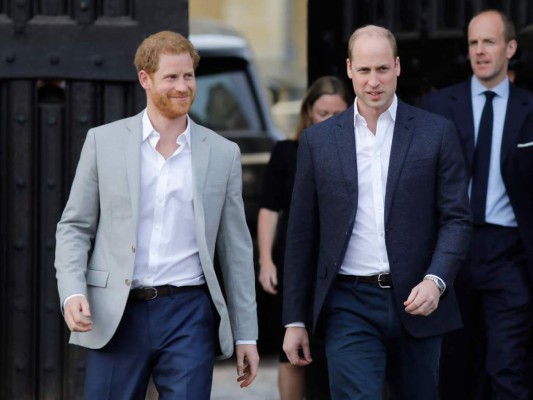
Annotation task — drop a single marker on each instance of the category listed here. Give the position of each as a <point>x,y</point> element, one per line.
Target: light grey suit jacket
<point>96,237</point>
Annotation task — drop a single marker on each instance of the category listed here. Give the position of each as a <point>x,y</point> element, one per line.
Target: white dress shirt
<point>167,250</point>
<point>367,253</point>
<point>498,210</point>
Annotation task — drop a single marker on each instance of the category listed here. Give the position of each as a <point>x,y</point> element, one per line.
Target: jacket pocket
<point>95,277</point>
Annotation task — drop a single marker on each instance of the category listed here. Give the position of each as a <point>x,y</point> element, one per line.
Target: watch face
<point>437,282</point>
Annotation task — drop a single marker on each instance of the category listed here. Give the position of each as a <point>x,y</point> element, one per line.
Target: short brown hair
<point>164,42</point>
<point>373,30</point>
<point>509,31</point>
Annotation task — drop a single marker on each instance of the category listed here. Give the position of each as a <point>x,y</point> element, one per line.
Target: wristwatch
<point>437,281</point>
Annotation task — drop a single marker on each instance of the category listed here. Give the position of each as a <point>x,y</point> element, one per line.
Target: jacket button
<point>127,282</point>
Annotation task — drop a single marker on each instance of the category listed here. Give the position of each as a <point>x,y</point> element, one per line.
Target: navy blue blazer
<point>455,103</point>
<point>427,216</point>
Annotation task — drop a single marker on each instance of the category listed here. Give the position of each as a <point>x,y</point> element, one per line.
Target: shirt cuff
<point>69,297</point>
<point>238,342</point>
<point>439,279</point>
<point>295,325</point>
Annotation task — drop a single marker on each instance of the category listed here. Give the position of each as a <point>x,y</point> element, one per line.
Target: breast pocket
<point>418,175</point>
<point>525,145</point>
<point>524,162</point>
<point>216,188</point>
<point>420,163</point>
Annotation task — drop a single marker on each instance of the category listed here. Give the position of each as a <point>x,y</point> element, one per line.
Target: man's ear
<point>510,48</point>
<point>349,68</point>
<point>397,66</point>
<point>145,80</point>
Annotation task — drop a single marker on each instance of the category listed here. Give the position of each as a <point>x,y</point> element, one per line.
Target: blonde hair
<point>164,42</point>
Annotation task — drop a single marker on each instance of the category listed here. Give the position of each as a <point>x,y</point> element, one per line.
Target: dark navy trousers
<point>366,346</point>
<point>170,338</point>
<point>487,358</point>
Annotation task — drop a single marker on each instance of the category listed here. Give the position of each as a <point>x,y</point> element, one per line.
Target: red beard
<point>170,108</point>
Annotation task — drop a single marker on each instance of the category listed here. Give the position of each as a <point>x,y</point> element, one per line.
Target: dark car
<point>231,100</point>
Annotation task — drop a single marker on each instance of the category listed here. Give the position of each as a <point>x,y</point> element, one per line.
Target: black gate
<point>431,36</point>
<point>65,66</point>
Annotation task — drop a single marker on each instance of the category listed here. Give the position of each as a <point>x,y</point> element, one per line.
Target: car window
<point>224,99</point>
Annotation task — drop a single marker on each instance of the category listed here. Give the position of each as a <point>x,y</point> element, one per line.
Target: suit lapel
<point>132,150</point>
<point>514,118</point>
<point>403,131</point>
<point>463,116</point>
<point>200,160</point>
<point>345,138</point>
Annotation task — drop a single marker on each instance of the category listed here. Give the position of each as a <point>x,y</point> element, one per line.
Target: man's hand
<point>296,345</point>
<point>268,277</point>
<point>77,314</point>
<point>247,363</point>
<point>424,299</point>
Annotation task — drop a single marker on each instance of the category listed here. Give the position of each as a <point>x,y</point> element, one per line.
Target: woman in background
<point>327,96</point>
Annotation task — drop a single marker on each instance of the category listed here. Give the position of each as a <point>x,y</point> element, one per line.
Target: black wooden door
<point>65,66</point>
<point>431,37</point>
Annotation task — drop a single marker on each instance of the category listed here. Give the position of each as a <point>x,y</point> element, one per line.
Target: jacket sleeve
<point>78,224</point>
<point>235,252</point>
<point>302,240</point>
<point>454,216</point>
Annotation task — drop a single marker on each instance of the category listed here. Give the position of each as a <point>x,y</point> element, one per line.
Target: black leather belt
<point>153,292</point>
<point>384,281</point>
<point>493,227</point>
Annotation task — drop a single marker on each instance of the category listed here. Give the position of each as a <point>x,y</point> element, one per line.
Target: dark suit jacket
<point>455,103</point>
<point>427,216</point>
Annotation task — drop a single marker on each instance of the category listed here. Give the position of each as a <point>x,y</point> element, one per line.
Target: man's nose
<point>180,85</point>
<point>373,79</point>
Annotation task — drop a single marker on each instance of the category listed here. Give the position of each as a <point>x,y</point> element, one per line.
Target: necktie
<point>480,176</point>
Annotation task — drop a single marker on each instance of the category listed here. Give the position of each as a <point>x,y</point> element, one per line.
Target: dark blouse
<point>277,191</point>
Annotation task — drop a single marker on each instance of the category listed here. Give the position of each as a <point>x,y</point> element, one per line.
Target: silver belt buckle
<point>380,284</point>
<point>154,295</point>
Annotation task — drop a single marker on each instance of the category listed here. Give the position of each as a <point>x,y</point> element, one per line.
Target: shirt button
<point>127,282</point>
<point>133,249</point>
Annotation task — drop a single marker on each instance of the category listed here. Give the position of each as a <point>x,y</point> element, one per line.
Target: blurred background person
<point>326,97</point>
<point>487,358</point>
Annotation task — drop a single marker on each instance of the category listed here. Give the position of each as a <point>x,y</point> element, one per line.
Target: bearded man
<point>152,198</point>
